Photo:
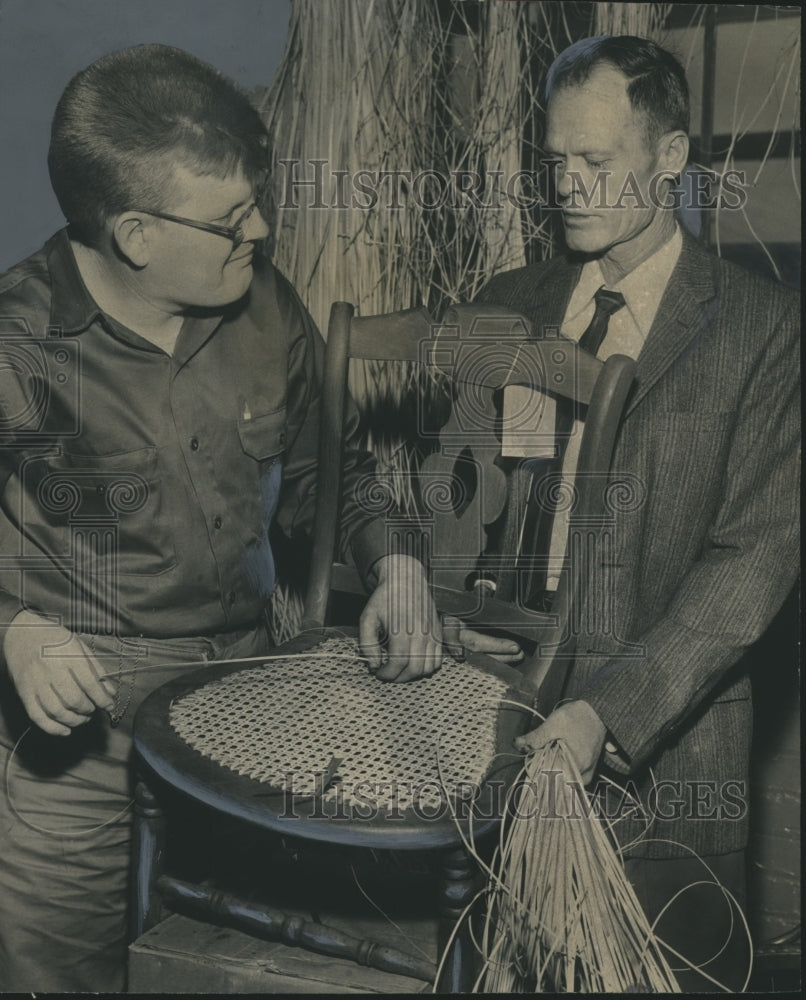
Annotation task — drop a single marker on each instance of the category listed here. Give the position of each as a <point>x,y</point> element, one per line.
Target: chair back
<point>471,496</point>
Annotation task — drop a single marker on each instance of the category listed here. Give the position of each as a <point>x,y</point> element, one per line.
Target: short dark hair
<point>123,124</point>
<point>656,87</point>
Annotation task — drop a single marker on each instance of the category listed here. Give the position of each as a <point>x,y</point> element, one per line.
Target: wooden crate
<point>181,955</point>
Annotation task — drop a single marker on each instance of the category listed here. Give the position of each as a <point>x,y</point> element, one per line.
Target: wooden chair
<point>476,352</point>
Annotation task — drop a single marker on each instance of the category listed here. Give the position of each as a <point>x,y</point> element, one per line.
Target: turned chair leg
<point>457,888</point>
<point>148,850</point>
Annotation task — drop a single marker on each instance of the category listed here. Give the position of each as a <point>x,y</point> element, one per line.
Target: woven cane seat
<point>315,738</point>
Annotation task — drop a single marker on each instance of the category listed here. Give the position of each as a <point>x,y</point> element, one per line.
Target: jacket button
<point>217,522</point>
<point>194,444</point>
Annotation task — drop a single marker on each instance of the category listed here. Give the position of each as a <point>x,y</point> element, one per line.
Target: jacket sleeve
<point>362,534</point>
<point>747,567</point>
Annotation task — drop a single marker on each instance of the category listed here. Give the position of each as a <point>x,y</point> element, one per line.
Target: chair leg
<point>148,850</point>
<point>457,888</point>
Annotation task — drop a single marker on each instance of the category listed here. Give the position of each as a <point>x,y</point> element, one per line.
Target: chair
<point>476,351</point>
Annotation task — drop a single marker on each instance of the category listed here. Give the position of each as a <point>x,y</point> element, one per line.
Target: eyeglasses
<point>234,233</point>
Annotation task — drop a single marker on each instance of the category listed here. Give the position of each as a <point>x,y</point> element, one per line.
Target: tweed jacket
<point>705,549</point>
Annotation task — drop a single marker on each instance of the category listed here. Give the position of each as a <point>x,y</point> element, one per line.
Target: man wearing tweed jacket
<point>709,439</point>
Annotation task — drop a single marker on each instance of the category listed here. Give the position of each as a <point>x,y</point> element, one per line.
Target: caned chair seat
<point>314,746</point>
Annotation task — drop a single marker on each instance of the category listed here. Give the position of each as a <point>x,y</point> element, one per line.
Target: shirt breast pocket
<point>263,439</point>
<point>111,503</point>
<point>263,436</point>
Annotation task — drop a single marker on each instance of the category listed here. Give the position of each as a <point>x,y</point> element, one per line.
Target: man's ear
<point>131,238</point>
<point>673,152</point>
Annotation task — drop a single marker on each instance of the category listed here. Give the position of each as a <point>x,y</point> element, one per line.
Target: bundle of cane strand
<point>561,915</point>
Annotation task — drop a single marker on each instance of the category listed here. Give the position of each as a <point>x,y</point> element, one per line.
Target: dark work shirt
<point>137,488</point>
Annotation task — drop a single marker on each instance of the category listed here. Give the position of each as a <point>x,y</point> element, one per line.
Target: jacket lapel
<point>557,294</point>
<point>544,302</point>
<point>685,311</point>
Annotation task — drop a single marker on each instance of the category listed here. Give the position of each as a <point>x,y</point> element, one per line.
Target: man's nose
<point>564,183</point>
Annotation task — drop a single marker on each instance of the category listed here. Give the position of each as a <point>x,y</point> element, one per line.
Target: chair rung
<point>277,925</point>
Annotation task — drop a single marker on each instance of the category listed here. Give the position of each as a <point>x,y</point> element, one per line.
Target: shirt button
<point>217,522</point>
<point>194,444</point>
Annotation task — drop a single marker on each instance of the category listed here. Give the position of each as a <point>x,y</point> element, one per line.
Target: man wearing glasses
<point>159,388</point>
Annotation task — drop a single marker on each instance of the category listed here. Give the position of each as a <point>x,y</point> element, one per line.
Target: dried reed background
<point>646,19</point>
<point>391,85</point>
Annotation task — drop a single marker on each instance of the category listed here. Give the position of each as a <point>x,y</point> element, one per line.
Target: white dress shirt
<point>627,331</point>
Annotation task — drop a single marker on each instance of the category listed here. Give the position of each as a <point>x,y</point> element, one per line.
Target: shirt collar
<point>642,288</point>
<point>72,308</point>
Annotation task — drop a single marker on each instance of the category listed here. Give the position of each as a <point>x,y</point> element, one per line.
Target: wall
<point>44,42</point>
<point>756,124</point>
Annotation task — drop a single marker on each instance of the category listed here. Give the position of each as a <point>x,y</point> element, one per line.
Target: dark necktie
<point>606,303</point>
<point>538,521</point>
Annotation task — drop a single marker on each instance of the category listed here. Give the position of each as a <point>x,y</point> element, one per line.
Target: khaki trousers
<point>65,825</point>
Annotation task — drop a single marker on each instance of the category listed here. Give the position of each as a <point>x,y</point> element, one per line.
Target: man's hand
<point>401,609</point>
<point>504,650</point>
<point>60,688</point>
<point>579,727</point>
